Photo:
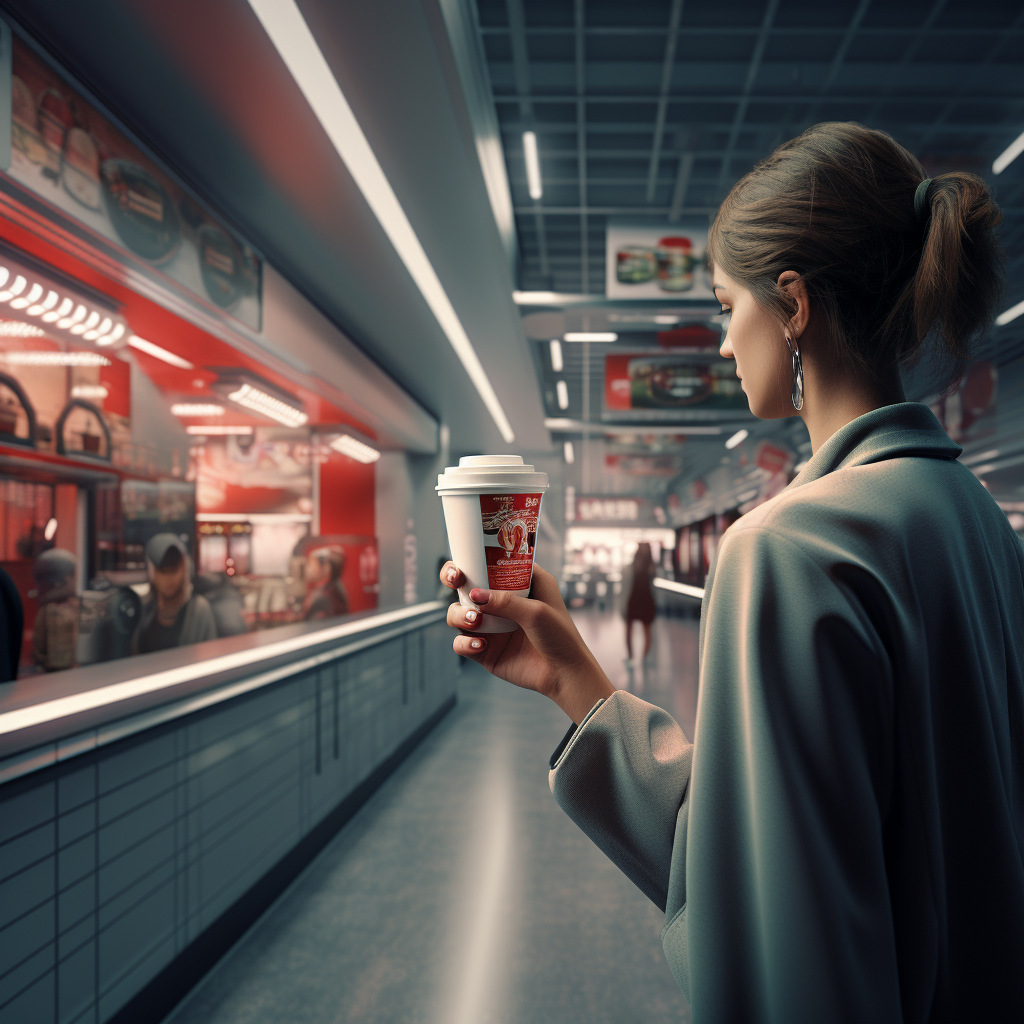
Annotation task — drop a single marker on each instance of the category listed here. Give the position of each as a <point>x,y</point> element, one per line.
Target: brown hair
<point>836,204</point>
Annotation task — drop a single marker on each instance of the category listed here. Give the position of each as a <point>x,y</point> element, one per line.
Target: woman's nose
<point>726,350</point>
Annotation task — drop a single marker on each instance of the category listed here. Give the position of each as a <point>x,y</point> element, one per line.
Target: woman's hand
<point>546,653</point>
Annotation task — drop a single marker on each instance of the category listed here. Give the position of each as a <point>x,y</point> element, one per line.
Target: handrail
<point>680,588</point>
<point>62,707</point>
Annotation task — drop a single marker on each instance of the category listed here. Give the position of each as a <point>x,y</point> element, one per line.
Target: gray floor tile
<point>461,893</point>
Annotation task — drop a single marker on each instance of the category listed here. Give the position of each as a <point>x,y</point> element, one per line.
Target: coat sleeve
<point>622,777</point>
<point>785,914</point>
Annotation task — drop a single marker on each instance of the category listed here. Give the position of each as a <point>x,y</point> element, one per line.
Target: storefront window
<point>133,521</point>
<point>159,485</point>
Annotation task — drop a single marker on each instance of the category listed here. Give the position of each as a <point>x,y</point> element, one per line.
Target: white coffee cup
<point>492,510</point>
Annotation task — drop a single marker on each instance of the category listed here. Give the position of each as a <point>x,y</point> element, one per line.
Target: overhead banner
<point>657,262</point>
<point>670,382</point>
<point>70,155</point>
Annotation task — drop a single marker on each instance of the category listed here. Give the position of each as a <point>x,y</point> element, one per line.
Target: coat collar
<point>904,429</point>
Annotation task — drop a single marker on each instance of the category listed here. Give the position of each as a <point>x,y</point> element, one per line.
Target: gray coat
<point>844,841</point>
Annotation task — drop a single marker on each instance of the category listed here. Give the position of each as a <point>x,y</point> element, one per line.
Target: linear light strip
<point>680,588</point>
<point>159,353</point>
<point>1008,155</point>
<point>298,49</point>
<point>532,159</point>
<point>62,707</point>
<point>1010,314</point>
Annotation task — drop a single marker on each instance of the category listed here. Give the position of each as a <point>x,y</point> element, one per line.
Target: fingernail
<point>480,596</point>
<point>472,616</point>
<point>451,575</point>
<point>476,644</point>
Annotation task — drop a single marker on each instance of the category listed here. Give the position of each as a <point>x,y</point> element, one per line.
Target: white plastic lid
<point>487,472</point>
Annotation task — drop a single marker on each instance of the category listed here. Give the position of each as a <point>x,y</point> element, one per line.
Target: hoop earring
<point>797,394</point>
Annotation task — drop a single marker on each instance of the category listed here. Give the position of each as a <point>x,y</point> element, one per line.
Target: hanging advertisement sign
<point>645,380</point>
<point>664,261</point>
<point>69,154</point>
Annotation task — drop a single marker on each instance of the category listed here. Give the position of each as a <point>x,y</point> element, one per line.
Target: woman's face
<point>757,341</point>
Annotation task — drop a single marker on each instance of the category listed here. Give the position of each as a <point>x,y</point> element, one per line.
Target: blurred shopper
<point>640,603</point>
<point>226,602</point>
<point>55,633</point>
<point>845,840</point>
<point>174,615</point>
<point>12,626</point>
<point>328,598</point>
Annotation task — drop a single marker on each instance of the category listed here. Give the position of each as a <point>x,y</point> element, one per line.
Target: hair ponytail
<point>958,279</point>
<point>836,204</point>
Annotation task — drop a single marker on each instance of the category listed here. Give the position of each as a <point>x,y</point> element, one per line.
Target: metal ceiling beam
<point>666,83</point>
<point>647,211</point>
<point>615,211</point>
<point>521,65</point>
<point>682,184</point>
<point>753,100</point>
<point>837,60</point>
<point>912,48</point>
<point>581,143</point>
<point>749,30</point>
<point>748,86</point>
<point>941,123</point>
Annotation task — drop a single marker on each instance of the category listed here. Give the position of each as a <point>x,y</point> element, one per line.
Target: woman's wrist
<point>577,691</point>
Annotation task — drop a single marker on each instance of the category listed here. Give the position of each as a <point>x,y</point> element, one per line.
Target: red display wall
<point>347,490</point>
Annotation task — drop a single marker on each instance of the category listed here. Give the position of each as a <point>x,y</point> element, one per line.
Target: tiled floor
<point>460,894</point>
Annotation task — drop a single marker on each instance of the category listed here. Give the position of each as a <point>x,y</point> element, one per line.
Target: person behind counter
<point>55,633</point>
<point>330,598</point>
<point>844,839</point>
<point>174,615</point>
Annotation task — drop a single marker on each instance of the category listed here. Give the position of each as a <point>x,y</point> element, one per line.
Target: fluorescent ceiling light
<point>552,298</point>
<point>12,329</point>
<point>89,392</point>
<point>348,445</point>
<point>532,165</point>
<point>298,49</point>
<point>666,319</point>
<point>570,455</point>
<point>1008,155</point>
<point>578,426</point>
<point>197,409</point>
<point>1010,314</point>
<point>738,438</point>
<point>562,390</point>
<point>56,359</point>
<point>159,353</point>
<point>591,336</point>
<point>250,397</point>
<point>556,355</point>
<point>217,431</point>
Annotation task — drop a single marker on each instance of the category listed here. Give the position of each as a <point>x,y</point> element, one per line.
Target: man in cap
<point>174,615</point>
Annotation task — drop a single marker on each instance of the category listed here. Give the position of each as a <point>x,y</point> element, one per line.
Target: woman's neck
<point>830,404</point>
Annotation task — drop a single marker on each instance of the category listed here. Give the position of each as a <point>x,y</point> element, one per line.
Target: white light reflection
<point>477,980</point>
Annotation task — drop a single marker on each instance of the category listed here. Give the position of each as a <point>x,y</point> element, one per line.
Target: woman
<point>845,839</point>
<point>640,603</point>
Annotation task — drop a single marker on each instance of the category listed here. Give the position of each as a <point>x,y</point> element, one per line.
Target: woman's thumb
<point>506,604</point>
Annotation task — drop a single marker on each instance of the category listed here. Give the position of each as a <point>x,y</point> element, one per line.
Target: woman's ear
<point>794,286</point>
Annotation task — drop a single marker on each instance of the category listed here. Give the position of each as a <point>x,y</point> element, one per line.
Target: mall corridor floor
<point>460,893</point>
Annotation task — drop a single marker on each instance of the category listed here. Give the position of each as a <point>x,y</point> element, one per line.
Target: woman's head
<point>822,237</point>
<point>643,556</point>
